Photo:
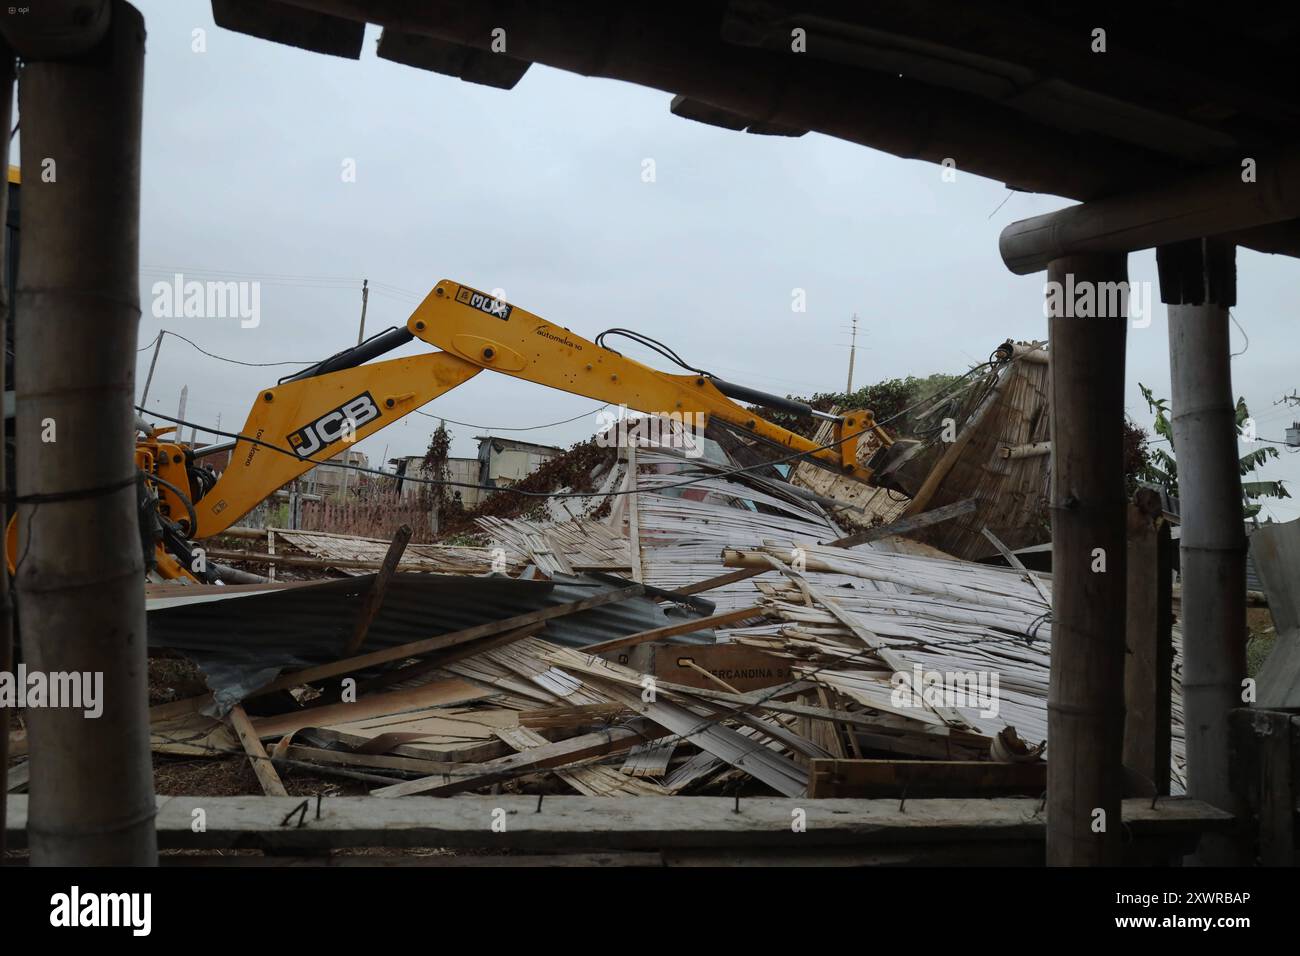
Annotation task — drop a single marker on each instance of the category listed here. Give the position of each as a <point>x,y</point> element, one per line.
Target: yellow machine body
<point>298,424</point>
<point>315,419</point>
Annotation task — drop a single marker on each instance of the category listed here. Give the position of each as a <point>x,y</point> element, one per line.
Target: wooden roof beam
<point>57,29</point>
<point>684,54</point>
<point>1215,203</point>
<point>280,23</point>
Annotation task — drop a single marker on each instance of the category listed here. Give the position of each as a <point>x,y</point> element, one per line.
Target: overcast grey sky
<point>539,191</point>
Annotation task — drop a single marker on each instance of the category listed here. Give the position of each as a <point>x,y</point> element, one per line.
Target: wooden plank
<point>901,527</point>
<point>578,661</point>
<point>741,667</point>
<point>778,772</point>
<point>266,775</point>
<point>656,822</point>
<point>1276,734</point>
<point>474,776</point>
<point>488,858</point>
<point>722,580</point>
<point>1016,563</point>
<point>649,759</point>
<point>567,718</point>
<point>925,778</point>
<point>437,694</point>
<point>375,596</point>
<point>671,630</point>
<point>442,658</point>
<point>908,524</point>
<point>345,758</point>
<point>428,645</point>
<point>308,562</point>
<point>1148,665</point>
<point>633,515</point>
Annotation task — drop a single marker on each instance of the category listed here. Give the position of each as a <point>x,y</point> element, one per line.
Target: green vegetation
<point>1161,468</point>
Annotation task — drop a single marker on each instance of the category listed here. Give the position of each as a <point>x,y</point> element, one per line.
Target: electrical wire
<point>504,428</point>
<point>222,358</point>
<point>1242,330</point>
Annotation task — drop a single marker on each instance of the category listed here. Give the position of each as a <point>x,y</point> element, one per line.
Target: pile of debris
<point>677,624</point>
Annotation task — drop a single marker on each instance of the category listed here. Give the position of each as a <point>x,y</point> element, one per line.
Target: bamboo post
<point>1085,698</point>
<point>79,583</point>
<point>1198,282</point>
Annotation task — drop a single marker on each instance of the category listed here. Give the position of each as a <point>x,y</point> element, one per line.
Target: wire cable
<point>653,344</point>
<point>504,428</point>
<point>221,358</point>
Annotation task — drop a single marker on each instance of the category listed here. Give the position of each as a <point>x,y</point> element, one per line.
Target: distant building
<point>504,461</point>
<point>464,471</point>
<point>500,463</point>
<point>330,481</point>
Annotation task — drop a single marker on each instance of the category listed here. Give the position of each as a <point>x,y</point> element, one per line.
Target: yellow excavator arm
<point>319,412</point>
<point>307,418</point>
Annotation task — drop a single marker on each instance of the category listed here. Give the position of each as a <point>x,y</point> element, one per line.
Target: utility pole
<point>180,410</point>
<point>361,334</point>
<point>365,297</point>
<point>157,347</point>
<point>853,347</point>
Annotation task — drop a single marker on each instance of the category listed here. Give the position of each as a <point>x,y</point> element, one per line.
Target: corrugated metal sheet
<point>242,637</point>
<point>683,530</point>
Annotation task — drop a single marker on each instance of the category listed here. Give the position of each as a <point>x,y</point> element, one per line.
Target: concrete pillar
<point>1198,281</point>
<point>79,580</point>
<point>1085,703</point>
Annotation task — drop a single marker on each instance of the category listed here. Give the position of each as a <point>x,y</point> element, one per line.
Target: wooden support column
<point>7,65</point>
<point>1149,657</point>
<point>375,596</point>
<point>1085,698</point>
<point>79,585</point>
<point>1276,736</point>
<point>1198,281</point>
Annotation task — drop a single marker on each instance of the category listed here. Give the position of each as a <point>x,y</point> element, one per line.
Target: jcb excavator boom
<point>307,418</point>
<point>314,414</point>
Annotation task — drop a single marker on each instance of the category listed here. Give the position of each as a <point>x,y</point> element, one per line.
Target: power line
<point>504,428</point>
<point>220,358</point>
